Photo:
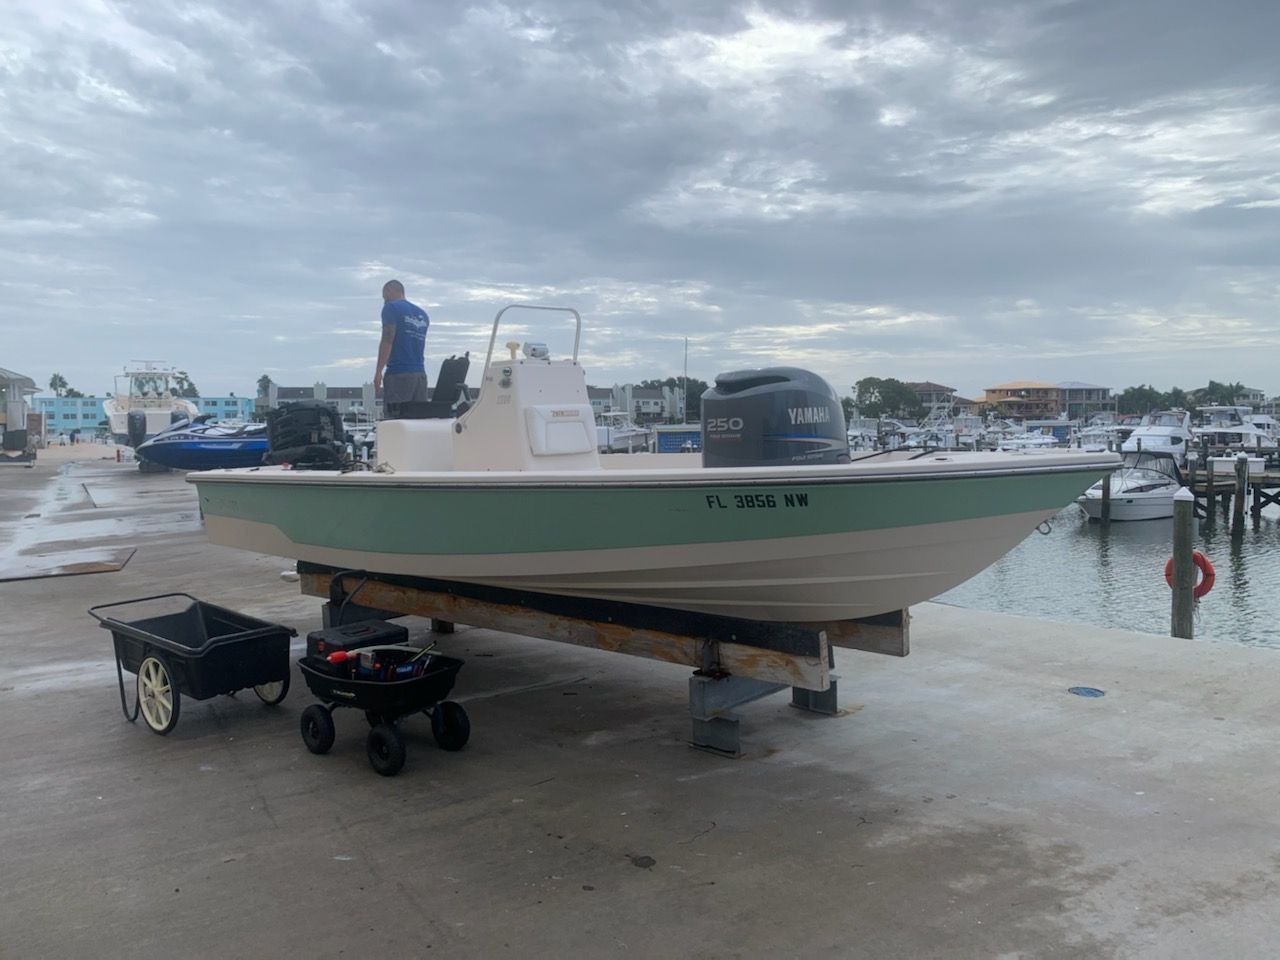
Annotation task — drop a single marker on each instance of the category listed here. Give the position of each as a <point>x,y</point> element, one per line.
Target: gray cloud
<point>969,192</point>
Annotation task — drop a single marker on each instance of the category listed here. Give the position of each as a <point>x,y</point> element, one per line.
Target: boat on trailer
<point>513,493</point>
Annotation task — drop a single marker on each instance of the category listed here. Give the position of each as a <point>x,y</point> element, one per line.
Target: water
<point>1113,576</point>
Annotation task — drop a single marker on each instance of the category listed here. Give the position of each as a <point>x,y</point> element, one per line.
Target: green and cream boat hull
<point>768,543</point>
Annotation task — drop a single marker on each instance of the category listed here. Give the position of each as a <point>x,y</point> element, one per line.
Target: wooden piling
<point>1106,498</point>
<point>1242,489</point>
<point>1210,496</point>
<point>1184,568</point>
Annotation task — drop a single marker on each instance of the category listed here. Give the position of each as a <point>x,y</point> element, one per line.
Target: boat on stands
<point>774,520</point>
<point>144,403</point>
<point>1161,431</point>
<point>1142,489</point>
<point>206,444</point>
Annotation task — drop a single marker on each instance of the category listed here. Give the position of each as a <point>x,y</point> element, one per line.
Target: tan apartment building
<point>1024,398</point>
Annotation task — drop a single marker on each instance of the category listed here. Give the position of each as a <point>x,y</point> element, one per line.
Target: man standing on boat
<point>404,339</point>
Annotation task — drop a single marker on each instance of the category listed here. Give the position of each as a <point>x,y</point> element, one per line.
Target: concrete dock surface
<point>963,805</point>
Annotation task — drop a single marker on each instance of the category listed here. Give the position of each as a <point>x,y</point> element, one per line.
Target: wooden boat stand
<point>735,661</point>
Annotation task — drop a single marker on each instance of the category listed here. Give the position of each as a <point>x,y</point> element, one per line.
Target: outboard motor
<point>775,416</point>
<point>136,427</point>
<point>306,434</point>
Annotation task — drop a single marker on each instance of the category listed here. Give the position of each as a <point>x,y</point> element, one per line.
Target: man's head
<point>393,290</point>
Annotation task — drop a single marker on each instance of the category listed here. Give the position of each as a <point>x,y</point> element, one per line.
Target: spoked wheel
<point>385,749</point>
<point>158,697</point>
<point>450,725</point>
<point>317,729</point>
<point>272,693</point>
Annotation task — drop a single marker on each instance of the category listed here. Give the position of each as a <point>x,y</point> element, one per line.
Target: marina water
<point>1113,576</point>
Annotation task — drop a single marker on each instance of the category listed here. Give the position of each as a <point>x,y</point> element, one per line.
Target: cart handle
<point>93,611</point>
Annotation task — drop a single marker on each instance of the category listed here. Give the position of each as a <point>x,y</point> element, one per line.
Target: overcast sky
<point>963,192</point>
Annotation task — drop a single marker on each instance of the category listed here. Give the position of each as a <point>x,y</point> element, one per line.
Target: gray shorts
<point>398,388</point>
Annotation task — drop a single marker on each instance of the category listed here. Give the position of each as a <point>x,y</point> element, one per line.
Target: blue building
<point>64,415</point>
<point>85,415</point>
<point>225,408</point>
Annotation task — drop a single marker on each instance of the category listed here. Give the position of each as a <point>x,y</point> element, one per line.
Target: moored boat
<point>1142,489</point>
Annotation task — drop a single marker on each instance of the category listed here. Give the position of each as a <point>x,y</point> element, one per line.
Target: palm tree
<point>57,383</point>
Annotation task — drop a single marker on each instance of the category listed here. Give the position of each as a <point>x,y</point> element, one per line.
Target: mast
<point>684,385</point>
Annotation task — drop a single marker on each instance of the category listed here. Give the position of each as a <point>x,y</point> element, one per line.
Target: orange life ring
<point>1206,574</point>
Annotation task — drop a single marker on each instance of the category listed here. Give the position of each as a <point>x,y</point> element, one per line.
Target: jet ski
<point>203,443</point>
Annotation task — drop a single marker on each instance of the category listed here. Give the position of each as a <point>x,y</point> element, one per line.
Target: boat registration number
<point>756,501</point>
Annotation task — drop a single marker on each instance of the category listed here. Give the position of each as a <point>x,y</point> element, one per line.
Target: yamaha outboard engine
<point>306,434</point>
<point>136,427</point>
<point>774,416</point>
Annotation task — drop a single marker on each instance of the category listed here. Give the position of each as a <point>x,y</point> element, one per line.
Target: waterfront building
<point>1080,401</point>
<point>1252,397</point>
<point>354,403</point>
<point>85,415</point>
<point>15,413</point>
<point>601,400</point>
<point>229,407</point>
<point>1024,398</point>
<point>930,394</point>
<point>650,404</point>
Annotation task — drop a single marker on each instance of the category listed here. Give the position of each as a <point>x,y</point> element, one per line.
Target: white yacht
<point>615,433</point>
<point>144,403</point>
<point>1162,431</point>
<point>1231,427</point>
<point>1142,489</point>
<point>1030,440</point>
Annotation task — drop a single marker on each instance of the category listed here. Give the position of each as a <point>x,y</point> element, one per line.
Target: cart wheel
<point>372,718</point>
<point>385,749</point>
<point>272,693</point>
<point>317,729</point>
<point>158,695</point>
<point>450,725</point>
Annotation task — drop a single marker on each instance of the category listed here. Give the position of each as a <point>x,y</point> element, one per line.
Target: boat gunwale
<point>603,479</point>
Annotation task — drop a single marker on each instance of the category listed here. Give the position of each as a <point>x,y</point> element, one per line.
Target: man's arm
<point>384,353</point>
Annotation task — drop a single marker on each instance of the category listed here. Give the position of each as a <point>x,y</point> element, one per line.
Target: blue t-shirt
<point>411,323</point>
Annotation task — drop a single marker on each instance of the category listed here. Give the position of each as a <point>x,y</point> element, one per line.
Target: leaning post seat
<point>450,390</point>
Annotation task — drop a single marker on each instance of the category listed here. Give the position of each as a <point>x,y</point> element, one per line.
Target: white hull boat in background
<point>615,433</point>
<point>1163,431</point>
<point>148,399</point>
<point>1142,489</point>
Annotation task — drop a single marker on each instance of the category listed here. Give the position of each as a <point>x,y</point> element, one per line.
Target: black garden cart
<point>200,650</point>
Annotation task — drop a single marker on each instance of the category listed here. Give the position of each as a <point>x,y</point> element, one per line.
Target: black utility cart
<point>374,686</point>
<point>199,650</point>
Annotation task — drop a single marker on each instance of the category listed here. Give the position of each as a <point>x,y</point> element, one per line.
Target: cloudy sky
<point>948,190</point>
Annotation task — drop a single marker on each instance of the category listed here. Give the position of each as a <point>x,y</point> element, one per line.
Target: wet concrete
<point>965,805</point>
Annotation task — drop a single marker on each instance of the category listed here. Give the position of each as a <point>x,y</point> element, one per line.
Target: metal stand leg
<point>711,703</point>
<point>817,701</point>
